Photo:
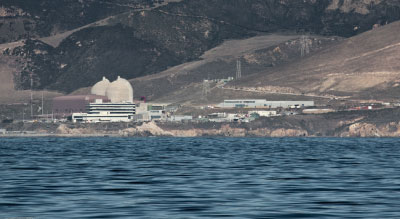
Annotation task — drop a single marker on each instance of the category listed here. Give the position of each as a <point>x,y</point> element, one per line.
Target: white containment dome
<point>100,87</point>
<point>120,91</point>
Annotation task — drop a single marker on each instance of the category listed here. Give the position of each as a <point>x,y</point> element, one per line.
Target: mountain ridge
<point>179,32</point>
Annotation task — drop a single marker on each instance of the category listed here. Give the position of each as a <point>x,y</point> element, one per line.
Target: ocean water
<point>199,178</point>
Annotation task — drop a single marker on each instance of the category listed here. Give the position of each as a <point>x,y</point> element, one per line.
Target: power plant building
<point>111,102</point>
<point>120,91</point>
<point>64,106</point>
<point>106,112</point>
<point>100,88</point>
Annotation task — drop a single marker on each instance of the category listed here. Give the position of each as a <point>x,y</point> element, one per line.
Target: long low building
<point>113,108</point>
<point>264,113</point>
<point>106,112</point>
<point>261,103</point>
<point>101,117</point>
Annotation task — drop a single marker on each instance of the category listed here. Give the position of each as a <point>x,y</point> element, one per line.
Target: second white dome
<point>120,91</point>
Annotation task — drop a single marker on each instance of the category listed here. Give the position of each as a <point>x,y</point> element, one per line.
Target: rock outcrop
<point>65,130</point>
<point>289,133</point>
<point>364,130</point>
<point>146,129</point>
<point>391,129</point>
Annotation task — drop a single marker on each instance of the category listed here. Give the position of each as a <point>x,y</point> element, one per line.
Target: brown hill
<point>183,83</point>
<point>112,37</point>
<point>364,66</point>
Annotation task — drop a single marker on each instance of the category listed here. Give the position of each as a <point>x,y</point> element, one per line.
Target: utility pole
<point>42,103</point>
<point>238,69</point>
<point>304,45</point>
<point>206,88</point>
<point>31,94</point>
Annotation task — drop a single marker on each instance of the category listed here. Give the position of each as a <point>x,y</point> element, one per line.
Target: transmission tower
<point>206,88</point>
<point>238,69</point>
<point>305,45</point>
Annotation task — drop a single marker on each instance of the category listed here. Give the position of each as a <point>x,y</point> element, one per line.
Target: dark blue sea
<point>199,178</point>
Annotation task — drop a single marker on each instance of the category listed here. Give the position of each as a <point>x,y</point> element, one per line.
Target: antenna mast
<point>238,69</point>
<point>305,45</point>
<point>42,102</point>
<point>31,76</point>
<point>206,88</point>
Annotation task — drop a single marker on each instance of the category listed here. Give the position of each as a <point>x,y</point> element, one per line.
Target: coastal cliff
<point>391,129</point>
<point>368,123</point>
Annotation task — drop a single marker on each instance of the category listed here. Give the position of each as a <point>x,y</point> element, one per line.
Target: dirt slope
<point>183,83</point>
<point>358,67</point>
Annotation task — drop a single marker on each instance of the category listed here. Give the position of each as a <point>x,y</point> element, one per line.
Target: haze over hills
<point>74,43</point>
<point>365,66</point>
<point>184,82</point>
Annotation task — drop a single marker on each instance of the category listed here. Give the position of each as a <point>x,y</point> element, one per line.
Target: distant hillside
<point>20,19</point>
<point>134,43</point>
<point>184,82</point>
<point>365,66</point>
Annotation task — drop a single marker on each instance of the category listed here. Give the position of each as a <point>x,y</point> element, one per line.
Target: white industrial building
<point>141,117</point>
<point>264,113</point>
<point>157,111</point>
<point>229,117</point>
<point>142,114</point>
<point>261,103</point>
<point>118,91</point>
<point>101,117</point>
<point>106,112</point>
<point>179,118</point>
<point>157,115</point>
<point>120,108</point>
<point>113,108</point>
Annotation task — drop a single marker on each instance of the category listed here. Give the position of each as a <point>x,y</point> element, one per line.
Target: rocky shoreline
<point>380,123</point>
<point>151,129</point>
